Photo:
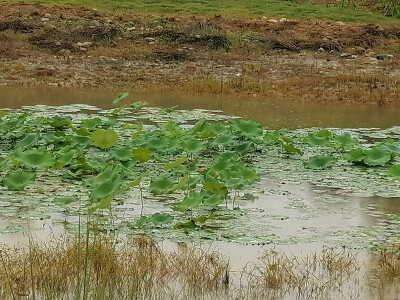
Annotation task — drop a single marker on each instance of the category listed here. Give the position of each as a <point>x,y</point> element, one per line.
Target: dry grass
<point>139,269</point>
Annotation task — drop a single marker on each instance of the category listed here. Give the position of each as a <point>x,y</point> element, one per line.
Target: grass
<point>228,8</point>
<point>140,269</point>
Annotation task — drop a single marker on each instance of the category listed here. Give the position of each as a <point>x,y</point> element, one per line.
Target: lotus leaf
<point>345,141</point>
<point>81,141</point>
<point>81,131</point>
<point>171,129</point>
<point>291,149</point>
<point>91,123</point>
<point>216,187</point>
<point>247,128</point>
<point>141,155</point>
<point>193,146</point>
<point>60,121</point>
<point>140,222</point>
<point>161,219</point>
<point>28,141</point>
<point>65,159</point>
<point>122,153</point>
<point>224,141</point>
<point>320,162</point>
<point>162,185</point>
<point>110,172</point>
<point>158,144</point>
<point>138,179</point>
<point>36,159</point>
<point>394,171</point>
<point>65,200</point>
<point>392,147</point>
<point>315,139</point>
<point>356,155</point>
<point>186,226</point>
<point>97,163</point>
<point>193,200</point>
<point>213,200</point>
<point>18,181</point>
<point>179,161</point>
<point>136,106</point>
<point>377,156</point>
<point>120,97</point>
<point>106,189</point>
<point>104,139</point>
<point>3,114</point>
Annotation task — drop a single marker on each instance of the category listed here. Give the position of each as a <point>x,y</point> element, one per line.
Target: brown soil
<point>285,59</point>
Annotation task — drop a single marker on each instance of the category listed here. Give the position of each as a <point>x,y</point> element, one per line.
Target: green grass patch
<point>230,8</point>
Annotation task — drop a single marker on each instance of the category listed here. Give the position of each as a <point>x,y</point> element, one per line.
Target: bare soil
<point>284,59</point>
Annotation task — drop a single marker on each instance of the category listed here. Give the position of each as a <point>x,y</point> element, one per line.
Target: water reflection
<point>270,113</point>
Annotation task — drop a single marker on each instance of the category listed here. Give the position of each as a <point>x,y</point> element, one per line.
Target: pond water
<point>288,213</point>
<point>270,113</point>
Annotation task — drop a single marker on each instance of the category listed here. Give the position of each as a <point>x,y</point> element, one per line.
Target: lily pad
<point>104,139</point>
<point>162,185</point>
<point>36,159</point>
<point>161,219</point>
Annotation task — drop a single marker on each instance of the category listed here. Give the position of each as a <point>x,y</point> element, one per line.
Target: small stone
<point>273,21</point>
<point>131,28</point>
<point>159,27</point>
<point>44,19</point>
<point>150,39</point>
<point>152,43</point>
<point>87,44</point>
<point>83,49</point>
<point>47,16</point>
<point>345,55</point>
<point>95,23</point>
<point>65,52</point>
<point>332,51</point>
<point>283,20</point>
<point>384,56</point>
<point>341,23</point>
<point>321,50</point>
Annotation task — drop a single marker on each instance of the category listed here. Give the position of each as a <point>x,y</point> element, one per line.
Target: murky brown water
<point>270,113</point>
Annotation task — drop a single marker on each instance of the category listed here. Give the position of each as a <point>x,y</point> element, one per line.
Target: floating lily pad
<point>18,181</point>
<point>320,162</point>
<point>104,139</point>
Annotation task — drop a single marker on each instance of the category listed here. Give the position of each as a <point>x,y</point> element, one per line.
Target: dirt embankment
<point>287,59</point>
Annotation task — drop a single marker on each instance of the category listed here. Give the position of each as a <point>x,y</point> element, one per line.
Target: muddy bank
<point>285,59</point>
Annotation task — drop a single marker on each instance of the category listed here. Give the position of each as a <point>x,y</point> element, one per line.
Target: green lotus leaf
<point>138,179</point>
<point>65,159</point>
<point>194,199</point>
<point>392,147</point>
<point>186,226</point>
<point>213,200</point>
<point>356,155</point>
<point>161,219</point>
<point>179,161</point>
<point>245,148</point>
<point>65,200</point>
<point>3,114</point>
<point>235,183</point>
<point>141,155</point>
<point>82,131</point>
<point>216,187</point>
<point>377,156</point>
<point>18,181</point>
<point>35,159</point>
<point>272,136</point>
<point>224,141</point>
<point>60,121</point>
<point>221,164</point>
<point>97,163</point>
<point>320,162</point>
<point>249,174</point>
<point>193,146</point>
<point>394,171</point>
<point>104,139</point>
<point>315,139</point>
<point>171,129</point>
<point>91,123</point>
<point>122,153</point>
<point>162,185</point>
<point>28,141</point>
<point>81,141</point>
<point>345,141</point>
<point>291,149</point>
<point>247,128</point>
<point>110,172</point>
<point>140,222</point>
<point>120,97</point>
<point>158,144</point>
<point>194,181</point>
<point>136,106</point>
<point>106,189</point>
